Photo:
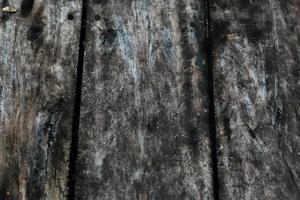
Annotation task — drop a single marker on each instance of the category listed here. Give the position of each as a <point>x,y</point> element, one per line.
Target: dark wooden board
<point>256,49</point>
<point>144,128</point>
<point>38,58</point>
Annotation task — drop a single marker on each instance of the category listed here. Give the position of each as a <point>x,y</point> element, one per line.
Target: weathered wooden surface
<point>256,69</point>
<point>144,124</point>
<point>144,129</point>
<point>38,58</point>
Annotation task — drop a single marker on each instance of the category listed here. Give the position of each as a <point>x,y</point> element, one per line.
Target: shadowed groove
<point>212,120</point>
<point>76,116</point>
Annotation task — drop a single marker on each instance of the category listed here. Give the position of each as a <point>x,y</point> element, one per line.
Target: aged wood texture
<point>38,58</point>
<point>144,128</point>
<point>256,71</point>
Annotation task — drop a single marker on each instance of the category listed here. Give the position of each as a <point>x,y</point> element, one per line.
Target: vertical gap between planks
<point>76,114</point>
<point>212,120</point>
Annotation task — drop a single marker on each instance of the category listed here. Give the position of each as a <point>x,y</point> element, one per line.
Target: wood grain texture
<point>144,129</point>
<point>256,71</point>
<point>38,58</point>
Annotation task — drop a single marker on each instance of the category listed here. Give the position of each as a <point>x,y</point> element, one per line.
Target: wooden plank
<point>256,72</point>
<point>38,58</point>
<point>144,128</point>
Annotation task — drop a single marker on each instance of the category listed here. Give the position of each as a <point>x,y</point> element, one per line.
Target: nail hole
<point>97,17</point>
<point>70,16</point>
